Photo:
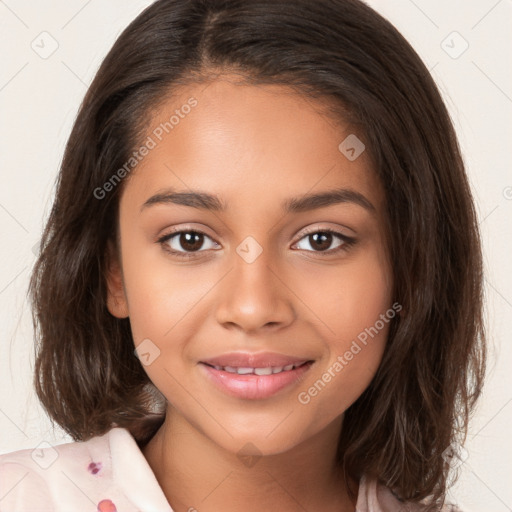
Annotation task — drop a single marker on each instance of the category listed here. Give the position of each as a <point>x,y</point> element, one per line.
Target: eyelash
<point>348,242</point>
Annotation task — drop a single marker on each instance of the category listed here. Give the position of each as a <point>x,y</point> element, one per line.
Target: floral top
<point>109,473</point>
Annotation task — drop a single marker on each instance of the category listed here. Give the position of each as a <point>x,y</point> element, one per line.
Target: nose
<point>255,296</point>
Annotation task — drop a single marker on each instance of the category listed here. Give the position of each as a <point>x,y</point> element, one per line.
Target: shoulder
<point>105,473</point>
<point>375,497</point>
<point>54,478</point>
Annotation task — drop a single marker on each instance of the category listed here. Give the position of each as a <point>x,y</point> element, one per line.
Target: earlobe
<point>117,304</point>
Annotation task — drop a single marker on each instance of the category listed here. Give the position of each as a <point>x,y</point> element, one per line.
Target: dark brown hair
<point>86,374</point>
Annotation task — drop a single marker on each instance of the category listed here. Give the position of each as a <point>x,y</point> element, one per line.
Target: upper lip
<point>254,360</point>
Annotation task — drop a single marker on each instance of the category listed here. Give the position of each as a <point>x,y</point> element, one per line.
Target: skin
<point>254,147</point>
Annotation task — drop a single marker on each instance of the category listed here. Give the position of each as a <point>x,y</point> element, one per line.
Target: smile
<point>254,383</point>
<point>269,370</point>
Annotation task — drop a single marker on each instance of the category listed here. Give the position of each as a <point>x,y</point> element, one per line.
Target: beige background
<point>39,98</point>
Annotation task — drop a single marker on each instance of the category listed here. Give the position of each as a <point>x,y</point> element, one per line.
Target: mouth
<point>266,370</point>
<point>255,382</point>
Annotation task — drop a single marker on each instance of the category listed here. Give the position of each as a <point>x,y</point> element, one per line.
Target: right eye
<point>186,242</point>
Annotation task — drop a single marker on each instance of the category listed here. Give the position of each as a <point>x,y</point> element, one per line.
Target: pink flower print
<point>106,506</point>
<point>94,467</point>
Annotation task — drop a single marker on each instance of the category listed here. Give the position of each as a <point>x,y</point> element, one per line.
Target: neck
<point>197,474</point>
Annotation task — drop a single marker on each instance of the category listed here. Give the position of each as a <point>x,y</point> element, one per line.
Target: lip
<point>251,386</point>
<point>254,360</point>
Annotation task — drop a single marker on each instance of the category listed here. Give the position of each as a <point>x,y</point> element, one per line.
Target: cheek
<point>351,298</point>
<point>338,384</point>
<point>354,356</point>
<point>359,306</point>
<point>160,294</point>
<point>356,311</point>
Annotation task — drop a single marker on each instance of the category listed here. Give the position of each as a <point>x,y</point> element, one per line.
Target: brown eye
<point>190,241</point>
<point>325,241</point>
<point>183,242</point>
<point>320,241</point>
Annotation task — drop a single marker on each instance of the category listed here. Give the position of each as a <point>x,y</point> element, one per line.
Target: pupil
<point>191,241</point>
<point>320,240</point>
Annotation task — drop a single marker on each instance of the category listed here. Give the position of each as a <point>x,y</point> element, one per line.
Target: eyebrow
<point>204,201</point>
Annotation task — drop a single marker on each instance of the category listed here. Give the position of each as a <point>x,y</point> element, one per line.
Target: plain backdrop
<point>465,44</point>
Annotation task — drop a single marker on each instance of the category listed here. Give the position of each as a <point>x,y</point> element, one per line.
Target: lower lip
<point>254,387</point>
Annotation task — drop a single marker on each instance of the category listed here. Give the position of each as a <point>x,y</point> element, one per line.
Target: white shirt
<point>109,473</point>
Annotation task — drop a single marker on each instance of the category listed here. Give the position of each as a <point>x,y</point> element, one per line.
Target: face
<point>255,275</point>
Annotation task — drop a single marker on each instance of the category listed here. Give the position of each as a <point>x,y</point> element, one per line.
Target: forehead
<point>243,142</point>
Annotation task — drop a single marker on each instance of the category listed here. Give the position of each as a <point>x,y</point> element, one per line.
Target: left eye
<point>321,241</point>
<point>187,241</point>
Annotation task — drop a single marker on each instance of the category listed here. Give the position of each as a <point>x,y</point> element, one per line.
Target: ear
<point>116,296</point>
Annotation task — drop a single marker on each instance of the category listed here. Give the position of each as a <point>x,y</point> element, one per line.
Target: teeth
<point>269,370</point>
<point>263,371</point>
<point>244,371</point>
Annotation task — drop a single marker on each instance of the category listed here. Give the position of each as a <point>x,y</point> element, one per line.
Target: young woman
<point>259,287</point>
